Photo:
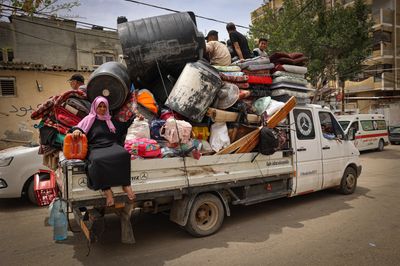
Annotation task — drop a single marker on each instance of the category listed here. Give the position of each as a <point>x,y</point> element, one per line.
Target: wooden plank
<point>240,142</point>
<point>218,115</point>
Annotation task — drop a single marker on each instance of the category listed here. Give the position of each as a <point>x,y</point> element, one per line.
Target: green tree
<point>335,39</point>
<point>30,7</point>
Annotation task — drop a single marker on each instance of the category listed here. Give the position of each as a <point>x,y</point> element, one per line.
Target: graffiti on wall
<point>19,111</point>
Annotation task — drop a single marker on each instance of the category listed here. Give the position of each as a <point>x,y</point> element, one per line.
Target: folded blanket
<point>290,92</point>
<point>291,69</point>
<point>287,74</point>
<point>282,85</point>
<point>228,68</point>
<point>259,80</point>
<point>261,67</point>
<point>289,61</point>
<point>252,61</point>
<point>278,55</point>
<point>233,78</point>
<point>256,72</point>
<point>288,79</point>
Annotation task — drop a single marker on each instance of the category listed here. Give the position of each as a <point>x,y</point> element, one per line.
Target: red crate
<point>45,187</point>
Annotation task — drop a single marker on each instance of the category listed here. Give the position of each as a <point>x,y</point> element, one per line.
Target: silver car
<point>394,134</point>
<point>18,165</point>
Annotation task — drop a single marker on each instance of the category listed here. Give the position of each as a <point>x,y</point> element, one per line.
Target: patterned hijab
<point>87,122</point>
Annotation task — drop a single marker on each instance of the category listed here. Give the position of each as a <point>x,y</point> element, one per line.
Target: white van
<point>370,130</point>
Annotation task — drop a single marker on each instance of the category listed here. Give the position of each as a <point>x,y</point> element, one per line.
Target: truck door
<point>334,149</point>
<point>307,151</point>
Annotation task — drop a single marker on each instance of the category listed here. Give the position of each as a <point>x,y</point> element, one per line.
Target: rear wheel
<point>349,181</point>
<point>381,145</point>
<point>206,215</point>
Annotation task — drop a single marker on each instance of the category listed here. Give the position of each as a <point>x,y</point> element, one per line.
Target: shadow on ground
<point>155,234</point>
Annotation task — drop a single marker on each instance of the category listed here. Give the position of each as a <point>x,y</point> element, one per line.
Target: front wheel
<point>206,215</point>
<point>381,145</point>
<point>349,181</point>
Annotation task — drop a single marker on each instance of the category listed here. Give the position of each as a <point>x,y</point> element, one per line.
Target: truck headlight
<point>6,161</point>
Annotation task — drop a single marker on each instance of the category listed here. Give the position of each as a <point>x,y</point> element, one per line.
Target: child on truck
<point>109,164</point>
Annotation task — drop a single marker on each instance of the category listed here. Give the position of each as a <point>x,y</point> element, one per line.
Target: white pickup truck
<point>197,193</point>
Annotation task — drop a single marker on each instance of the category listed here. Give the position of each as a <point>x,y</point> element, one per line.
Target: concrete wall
<point>16,124</point>
<point>53,45</point>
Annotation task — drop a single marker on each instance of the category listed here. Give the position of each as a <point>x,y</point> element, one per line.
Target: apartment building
<point>37,57</point>
<point>377,89</point>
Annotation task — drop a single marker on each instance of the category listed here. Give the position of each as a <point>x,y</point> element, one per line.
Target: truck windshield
<point>344,124</point>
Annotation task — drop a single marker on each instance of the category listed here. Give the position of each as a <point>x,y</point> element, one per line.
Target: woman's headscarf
<point>87,122</point>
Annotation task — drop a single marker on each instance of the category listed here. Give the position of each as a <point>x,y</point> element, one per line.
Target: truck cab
<point>322,150</point>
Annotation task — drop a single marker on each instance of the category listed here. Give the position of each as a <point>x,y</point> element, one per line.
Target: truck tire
<point>349,181</point>
<point>206,215</point>
<point>381,145</point>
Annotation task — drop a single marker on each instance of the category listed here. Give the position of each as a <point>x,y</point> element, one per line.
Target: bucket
<point>111,81</point>
<point>194,91</point>
<point>173,40</point>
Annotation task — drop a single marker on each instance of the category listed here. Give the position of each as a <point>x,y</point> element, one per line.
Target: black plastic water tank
<point>173,40</point>
<point>110,80</point>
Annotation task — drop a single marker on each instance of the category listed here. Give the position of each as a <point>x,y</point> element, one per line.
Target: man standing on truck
<point>217,52</point>
<point>239,42</point>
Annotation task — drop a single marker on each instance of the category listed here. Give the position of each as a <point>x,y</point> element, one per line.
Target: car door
<point>334,149</point>
<point>307,151</point>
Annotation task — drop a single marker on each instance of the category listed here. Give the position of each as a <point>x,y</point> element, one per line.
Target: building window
<point>7,87</point>
<point>10,55</point>
<point>100,59</point>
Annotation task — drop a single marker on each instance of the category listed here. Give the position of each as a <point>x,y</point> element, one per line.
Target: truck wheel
<point>30,193</point>
<point>381,145</point>
<point>206,215</point>
<point>349,181</point>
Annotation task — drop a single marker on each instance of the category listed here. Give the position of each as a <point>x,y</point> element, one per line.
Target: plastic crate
<point>45,188</point>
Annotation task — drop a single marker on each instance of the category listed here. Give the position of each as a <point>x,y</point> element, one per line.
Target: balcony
<point>383,16</point>
<point>386,50</point>
<point>383,81</point>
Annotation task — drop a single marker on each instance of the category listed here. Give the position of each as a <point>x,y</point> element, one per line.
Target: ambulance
<point>370,130</point>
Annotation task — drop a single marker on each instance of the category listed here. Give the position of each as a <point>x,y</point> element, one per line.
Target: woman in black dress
<point>109,163</point>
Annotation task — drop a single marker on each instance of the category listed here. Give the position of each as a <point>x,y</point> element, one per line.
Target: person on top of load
<point>217,52</point>
<point>239,42</point>
<point>262,48</point>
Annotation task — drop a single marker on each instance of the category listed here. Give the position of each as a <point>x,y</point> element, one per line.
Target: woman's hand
<point>76,134</point>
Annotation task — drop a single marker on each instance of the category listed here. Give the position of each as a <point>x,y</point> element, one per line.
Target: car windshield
<point>395,130</point>
<point>344,124</point>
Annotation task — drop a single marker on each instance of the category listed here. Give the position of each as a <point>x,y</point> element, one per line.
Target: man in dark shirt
<point>239,42</point>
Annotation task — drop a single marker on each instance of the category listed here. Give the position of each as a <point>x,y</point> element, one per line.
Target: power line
<point>177,11</point>
<point>65,29</point>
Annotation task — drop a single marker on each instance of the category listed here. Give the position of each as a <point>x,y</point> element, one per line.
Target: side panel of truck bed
<point>156,175</point>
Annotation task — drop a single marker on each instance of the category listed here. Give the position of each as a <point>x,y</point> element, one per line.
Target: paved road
<point>321,228</point>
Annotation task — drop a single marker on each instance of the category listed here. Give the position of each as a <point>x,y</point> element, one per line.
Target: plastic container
<point>75,148</point>
<point>110,80</point>
<point>195,90</point>
<point>58,219</point>
<point>44,187</point>
<point>172,40</point>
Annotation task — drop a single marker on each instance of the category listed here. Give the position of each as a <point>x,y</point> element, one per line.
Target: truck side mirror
<point>351,134</point>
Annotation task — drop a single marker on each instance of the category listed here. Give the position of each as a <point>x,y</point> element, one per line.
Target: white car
<point>18,165</point>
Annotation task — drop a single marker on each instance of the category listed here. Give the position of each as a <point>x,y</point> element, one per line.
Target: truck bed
<point>170,174</point>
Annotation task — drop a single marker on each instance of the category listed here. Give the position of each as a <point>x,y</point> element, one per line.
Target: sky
<point>105,12</point>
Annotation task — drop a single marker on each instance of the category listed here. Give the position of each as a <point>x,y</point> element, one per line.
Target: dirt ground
<point>320,228</point>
